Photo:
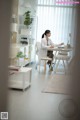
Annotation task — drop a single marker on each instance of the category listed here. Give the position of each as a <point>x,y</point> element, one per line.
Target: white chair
<point>61,57</point>
<point>41,57</point>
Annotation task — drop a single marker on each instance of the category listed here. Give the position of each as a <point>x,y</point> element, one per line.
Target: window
<point>58,19</point>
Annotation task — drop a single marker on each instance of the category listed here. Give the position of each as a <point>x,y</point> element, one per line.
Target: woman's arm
<point>51,43</point>
<point>57,45</point>
<point>43,44</point>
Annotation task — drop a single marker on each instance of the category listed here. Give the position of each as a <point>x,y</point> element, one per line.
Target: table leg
<point>54,57</point>
<point>56,66</point>
<point>67,66</point>
<point>39,65</point>
<point>55,61</point>
<point>67,63</point>
<point>64,66</point>
<point>45,66</point>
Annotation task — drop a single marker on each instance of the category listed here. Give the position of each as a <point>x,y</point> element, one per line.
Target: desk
<point>60,49</point>
<point>62,55</point>
<point>65,49</point>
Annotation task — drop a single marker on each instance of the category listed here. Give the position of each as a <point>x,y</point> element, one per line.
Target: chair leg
<point>55,62</point>
<point>36,66</point>
<point>68,67</point>
<point>45,67</point>
<point>64,66</point>
<point>39,65</point>
<point>55,58</point>
<point>56,66</point>
<point>67,63</point>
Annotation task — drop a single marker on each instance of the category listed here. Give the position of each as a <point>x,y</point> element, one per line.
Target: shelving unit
<point>29,33</point>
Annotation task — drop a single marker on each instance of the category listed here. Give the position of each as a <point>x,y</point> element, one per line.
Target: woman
<point>47,43</point>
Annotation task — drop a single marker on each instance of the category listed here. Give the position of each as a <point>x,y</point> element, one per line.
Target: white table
<point>60,49</point>
<point>21,79</point>
<point>64,50</point>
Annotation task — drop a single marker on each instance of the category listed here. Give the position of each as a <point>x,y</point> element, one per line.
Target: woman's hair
<point>45,33</point>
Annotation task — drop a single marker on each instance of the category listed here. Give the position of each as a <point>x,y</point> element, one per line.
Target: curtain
<point>57,18</point>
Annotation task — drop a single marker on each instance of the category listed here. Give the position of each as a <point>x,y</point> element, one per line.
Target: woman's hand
<point>51,46</point>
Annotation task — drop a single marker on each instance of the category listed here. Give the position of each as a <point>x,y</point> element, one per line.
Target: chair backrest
<point>41,53</point>
<point>38,47</point>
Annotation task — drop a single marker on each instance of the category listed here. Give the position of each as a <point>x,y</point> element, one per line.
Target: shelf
<point>25,27</point>
<point>24,62</point>
<point>25,35</point>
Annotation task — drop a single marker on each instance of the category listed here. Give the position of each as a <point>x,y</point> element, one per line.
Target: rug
<point>59,84</point>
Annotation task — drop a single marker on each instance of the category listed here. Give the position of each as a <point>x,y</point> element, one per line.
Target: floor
<point>32,104</point>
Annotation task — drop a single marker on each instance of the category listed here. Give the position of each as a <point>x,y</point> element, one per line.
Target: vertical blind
<point>56,18</point>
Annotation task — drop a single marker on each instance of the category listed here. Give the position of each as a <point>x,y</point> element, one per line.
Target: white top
<point>44,46</point>
<point>44,43</point>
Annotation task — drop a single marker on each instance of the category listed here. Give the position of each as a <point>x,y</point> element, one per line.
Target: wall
<point>27,5</point>
<point>5,14</point>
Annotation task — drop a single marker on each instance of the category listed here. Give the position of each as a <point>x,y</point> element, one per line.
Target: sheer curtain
<point>57,18</point>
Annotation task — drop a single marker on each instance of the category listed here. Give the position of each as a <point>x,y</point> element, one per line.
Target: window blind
<point>58,19</point>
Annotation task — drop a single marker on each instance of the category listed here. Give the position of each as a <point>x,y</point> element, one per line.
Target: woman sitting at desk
<point>47,43</point>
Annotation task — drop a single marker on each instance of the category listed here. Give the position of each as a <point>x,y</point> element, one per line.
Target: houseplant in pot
<point>20,55</point>
<point>28,20</point>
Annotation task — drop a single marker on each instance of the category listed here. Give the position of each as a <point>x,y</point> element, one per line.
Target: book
<point>14,68</point>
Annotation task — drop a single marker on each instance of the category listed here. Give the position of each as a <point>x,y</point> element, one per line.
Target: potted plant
<point>28,20</point>
<point>20,55</point>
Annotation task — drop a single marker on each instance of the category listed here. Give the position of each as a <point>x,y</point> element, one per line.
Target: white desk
<point>62,55</point>
<point>61,49</point>
<point>65,49</point>
<point>21,79</point>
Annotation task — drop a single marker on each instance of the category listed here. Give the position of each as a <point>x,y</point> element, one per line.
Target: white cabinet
<point>21,79</point>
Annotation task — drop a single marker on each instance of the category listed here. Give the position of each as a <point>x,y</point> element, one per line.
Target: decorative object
<point>14,48</point>
<point>24,40</point>
<point>14,27</point>
<point>14,30</point>
<point>25,32</point>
